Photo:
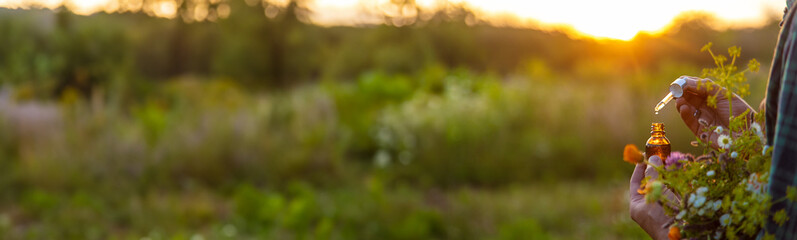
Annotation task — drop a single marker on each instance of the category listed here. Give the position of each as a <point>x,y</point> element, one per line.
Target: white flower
<point>755,186</point>
<point>700,201</point>
<point>702,190</point>
<point>764,152</point>
<point>691,198</point>
<point>725,220</point>
<point>717,205</point>
<point>701,212</point>
<point>751,186</point>
<point>718,235</point>
<point>724,141</point>
<point>710,173</point>
<point>734,154</point>
<point>681,214</point>
<point>718,130</point>
<point>382,159</point>
<point>229,230</point>
<point>757,129</point>
<point>197,237</point>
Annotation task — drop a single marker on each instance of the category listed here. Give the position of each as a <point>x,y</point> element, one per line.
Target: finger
<point>704,132</point>
<point>688,115</point>
<point>680,102</point>
<point>636,179</point>
<point>695,99</point>
<point>650,170</point>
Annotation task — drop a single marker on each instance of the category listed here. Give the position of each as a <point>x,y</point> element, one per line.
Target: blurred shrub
<point>485,132</point>
<point>53,51</point>
<point>436,128</point>
<point>357,160</point>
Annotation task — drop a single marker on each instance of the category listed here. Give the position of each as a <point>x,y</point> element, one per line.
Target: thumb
<point>636,181</point>
<point>650,170</point>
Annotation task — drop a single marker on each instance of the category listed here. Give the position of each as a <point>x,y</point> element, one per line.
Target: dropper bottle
<point>676,91</point>
<point>657,144</point>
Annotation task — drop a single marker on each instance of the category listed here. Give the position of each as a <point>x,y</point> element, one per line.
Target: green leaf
<point>769,236</point>
<point>780,217</point>
<point>791,193</point>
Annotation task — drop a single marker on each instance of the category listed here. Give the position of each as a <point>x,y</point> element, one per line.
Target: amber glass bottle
<point>657,144</point>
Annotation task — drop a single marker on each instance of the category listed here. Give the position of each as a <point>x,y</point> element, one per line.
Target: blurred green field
<point>483,158</point>
<point>124,126</point>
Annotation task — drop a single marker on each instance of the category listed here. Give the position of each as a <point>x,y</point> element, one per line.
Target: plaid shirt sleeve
<point>781,127</point>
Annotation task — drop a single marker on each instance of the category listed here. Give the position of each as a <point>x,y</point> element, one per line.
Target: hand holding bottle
<point>650,216</point>
<point>694,109</point>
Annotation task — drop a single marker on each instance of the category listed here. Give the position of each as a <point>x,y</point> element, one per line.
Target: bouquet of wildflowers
<point>720,194</point>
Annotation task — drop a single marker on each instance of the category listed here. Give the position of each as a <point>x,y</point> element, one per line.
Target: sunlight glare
<point>86,7</point>
<point>623,19</point>
<point>167,9</point>
<point>32,3</point>
<point>612,19</point>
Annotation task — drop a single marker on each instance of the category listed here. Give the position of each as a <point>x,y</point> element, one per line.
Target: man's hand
<point>649,216</point>
<point>698,115</point>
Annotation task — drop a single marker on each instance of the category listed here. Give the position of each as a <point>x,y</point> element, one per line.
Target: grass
<point>568,210</point>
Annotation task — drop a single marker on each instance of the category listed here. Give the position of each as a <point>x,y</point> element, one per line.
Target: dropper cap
<point>677,87</point>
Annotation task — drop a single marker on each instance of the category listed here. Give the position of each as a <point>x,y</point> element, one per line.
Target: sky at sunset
<point>614,19</point>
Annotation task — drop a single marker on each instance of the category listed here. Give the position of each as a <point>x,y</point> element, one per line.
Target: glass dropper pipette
<point>676,91</point>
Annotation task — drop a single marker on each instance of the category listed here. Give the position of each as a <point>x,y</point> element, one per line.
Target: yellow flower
<point>632,155</point>
<point>645,188</point>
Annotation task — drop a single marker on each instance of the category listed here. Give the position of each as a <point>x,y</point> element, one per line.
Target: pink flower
<point>675,159</point>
